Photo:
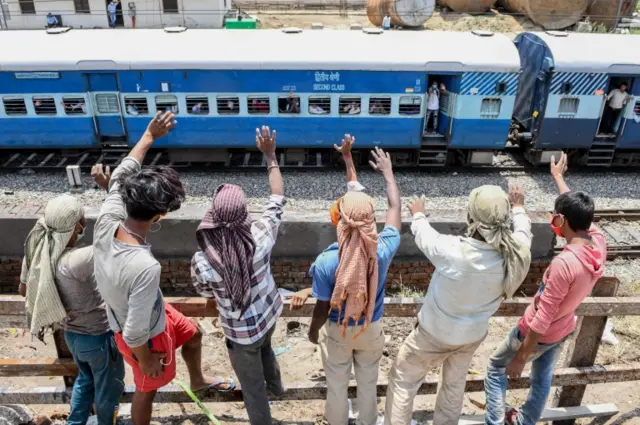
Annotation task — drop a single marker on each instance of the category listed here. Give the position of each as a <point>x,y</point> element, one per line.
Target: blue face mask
<point>80,235</point>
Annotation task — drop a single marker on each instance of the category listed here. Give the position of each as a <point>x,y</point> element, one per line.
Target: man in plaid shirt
<point>233,267</point>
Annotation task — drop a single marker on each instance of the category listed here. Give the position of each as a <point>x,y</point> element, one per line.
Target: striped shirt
<point>266,302</point>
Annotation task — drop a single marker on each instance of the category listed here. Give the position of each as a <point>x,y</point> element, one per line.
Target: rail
<point>572,377</point>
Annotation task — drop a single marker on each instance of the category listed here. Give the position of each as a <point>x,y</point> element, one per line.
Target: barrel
<point>605,11</point>
<point>550,14</point>
<point>467,6</point>
<point>410,13</point>
<point>376,10</point>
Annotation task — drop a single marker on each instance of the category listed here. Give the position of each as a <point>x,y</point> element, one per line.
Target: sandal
<point>214,386</point>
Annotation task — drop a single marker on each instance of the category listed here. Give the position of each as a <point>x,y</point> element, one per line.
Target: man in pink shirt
<point>550,319</point>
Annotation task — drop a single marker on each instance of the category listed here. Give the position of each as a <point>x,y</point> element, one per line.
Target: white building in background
<point>32,14</point>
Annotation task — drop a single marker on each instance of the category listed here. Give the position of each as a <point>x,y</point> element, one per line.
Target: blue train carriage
<point>563,102</point>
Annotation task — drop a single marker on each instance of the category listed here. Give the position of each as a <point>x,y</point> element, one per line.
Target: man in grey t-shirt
<point>148,331</point>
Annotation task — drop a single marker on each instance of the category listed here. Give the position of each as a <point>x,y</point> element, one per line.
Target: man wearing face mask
<point>148,331</point>
<point>550,318</point>
<point>433,105</point>
<point>58,280</point>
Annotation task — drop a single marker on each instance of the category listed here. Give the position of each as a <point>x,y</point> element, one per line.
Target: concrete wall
<point>149,14</point>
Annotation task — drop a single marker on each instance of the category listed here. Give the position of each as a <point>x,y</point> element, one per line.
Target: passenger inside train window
<point>137,105</point>
<point>319,105</point>
<point>14,106</point>
<point>350,105</point>
<point>228,105</point>
<point>409,105</point>
<point>380,105</point>
<point>167,103</point>
<point>44,106</point>
<point>198,105</point>
<point>74,105</point>
<point>258,105</point>
<point>289,104</point>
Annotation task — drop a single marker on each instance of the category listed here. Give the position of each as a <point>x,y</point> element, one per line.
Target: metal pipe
<point>615,24</point>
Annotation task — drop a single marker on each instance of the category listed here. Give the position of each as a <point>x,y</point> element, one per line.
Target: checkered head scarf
<point>357,273</point>
<point>224,235</point>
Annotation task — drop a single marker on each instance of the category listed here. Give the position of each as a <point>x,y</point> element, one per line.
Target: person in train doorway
<point>58,280</point>
<point>386,22</point>
<point>52,21</point>
<point>349,285</point>
<point>433,105</point>
<point>473,275</point>
<point>233,267</point>
<point>148,331</point>
<point>550,318</point>
<point>616,100</point>
<point>112,10</point>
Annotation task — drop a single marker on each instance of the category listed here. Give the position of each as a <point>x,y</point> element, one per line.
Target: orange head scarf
<point>357,273</point>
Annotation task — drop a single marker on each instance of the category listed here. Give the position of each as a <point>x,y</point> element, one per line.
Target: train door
<point>439,106</point>
<point>104,96</point>
<point>629,132</point>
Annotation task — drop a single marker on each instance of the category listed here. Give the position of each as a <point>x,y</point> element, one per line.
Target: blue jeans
<point>100,377</point>
<point>112,19</point>
<point>544,359</point>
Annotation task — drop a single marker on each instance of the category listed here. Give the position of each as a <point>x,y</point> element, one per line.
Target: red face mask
<point>557,229</point>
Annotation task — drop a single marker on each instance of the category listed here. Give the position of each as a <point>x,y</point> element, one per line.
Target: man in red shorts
<point>148,331</point>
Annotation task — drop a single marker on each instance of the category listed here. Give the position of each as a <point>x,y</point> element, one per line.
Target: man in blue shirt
<point>348,283</point>
<point>112,9</point>
<point>52,21</point>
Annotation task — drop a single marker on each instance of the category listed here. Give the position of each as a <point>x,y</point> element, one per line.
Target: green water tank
<point>244,23</point>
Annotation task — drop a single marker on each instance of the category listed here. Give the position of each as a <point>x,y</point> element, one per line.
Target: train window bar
<point>289,104</point>
<point>74,105</point>
<point>167,103</point>
<point>44,106</point>
<point>228,105</point>
<point>198,105</point>
<point>319,105</point>
<point>379,105</point>
<point>409,105</point>
<point>490,107</point>
<point>258,105</point>
<point>136,105</point>
<point>568,107</point>
<point>349,105</point>
<point>107,103</point>
<point>501,87</point>
<point>14,106</point>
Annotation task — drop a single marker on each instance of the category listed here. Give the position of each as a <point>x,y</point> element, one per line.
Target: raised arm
<point>557,172</point>
<point>345,150</point>
<point>158,127</point>
<point>382,163</point>
<point>266,143</point>
<point>521,221</point>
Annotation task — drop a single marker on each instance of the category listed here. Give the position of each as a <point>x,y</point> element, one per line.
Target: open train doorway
<point>616,98</point>
<point>435,96</point>
<point>119,21</point>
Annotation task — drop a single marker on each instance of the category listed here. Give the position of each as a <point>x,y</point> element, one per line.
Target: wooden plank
<point>583,350</point>
<point>38,367</point>
<point>318,390</point>
<point>558,413</point>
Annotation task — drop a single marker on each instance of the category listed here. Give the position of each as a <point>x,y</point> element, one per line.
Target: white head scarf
<point>45,244</point>
<point>490,212</point>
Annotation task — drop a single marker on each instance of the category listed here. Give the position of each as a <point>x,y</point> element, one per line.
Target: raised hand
<point>559,168</point>
<point>516,195</point>
<point>381,161</point>
<point>101,176</point>
<point>347,145</point>
<point>416,205</point>
<point>265,140</point>
<point>161,124</point>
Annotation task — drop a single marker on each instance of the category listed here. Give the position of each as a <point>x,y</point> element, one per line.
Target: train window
<point>258,105</point>
<point>380,105</point>
<point>490,108</point>
<point>349,105</point>
<point>501,87</point>
<point>569,106</point>
<point>409,105</point>
<point>319,105</point>
<point>289,104</point>
<point>107,103</point>
<point>566,87</point>
<point>44,106</point>
<point>228,105</point>
<point>14,106</point>
<point>136,105</point>
<point>198,105</point>
<point>74,105</point>
<point>167,103</point>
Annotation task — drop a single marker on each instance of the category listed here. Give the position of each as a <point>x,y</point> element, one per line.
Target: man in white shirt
<point>616,100</point>
<point>433,105</point>
<point>473,274</point>
<point>386,22</point>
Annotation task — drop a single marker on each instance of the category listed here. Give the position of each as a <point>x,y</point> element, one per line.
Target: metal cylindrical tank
<point>551,14</point>
<point>605,11</point>
<point>376,10</point>
<point>410,13</point>
<point>467,6</point>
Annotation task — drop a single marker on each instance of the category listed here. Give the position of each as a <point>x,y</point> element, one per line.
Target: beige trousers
<point>420,353</point>
<point>338,356</point>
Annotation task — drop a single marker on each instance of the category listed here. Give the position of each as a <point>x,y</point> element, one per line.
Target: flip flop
<point>214,386</point>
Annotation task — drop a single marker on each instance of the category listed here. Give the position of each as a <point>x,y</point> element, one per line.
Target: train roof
<point>141,49</point>
<point>583,52</point>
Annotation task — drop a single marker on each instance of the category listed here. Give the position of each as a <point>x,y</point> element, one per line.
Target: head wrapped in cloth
<point>43,248</point>
<point>224,235</point>
<point>334,211</point>
<point>490,214</point>
<point>357,273</point>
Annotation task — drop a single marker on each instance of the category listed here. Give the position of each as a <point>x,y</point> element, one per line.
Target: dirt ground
<point>302,361</point>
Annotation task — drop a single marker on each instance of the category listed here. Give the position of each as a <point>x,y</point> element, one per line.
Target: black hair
<point>577,208</point>
<point>624,83</point>
<point>152,191</point>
